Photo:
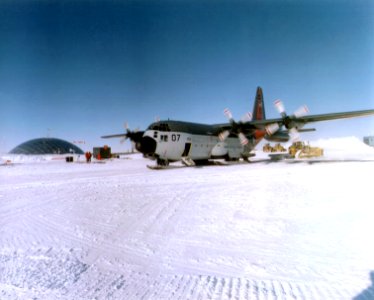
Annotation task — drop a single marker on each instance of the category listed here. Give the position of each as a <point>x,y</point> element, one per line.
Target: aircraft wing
<point>335,116</point>
<point>114,135</point>
<point>313,118</point>
<point>134,136</point>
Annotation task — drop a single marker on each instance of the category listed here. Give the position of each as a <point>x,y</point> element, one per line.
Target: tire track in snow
<point>152,219</point>
<point>59,272</point>
<point>104,278</point>
<point>129,228</point>
<point>45,225</point>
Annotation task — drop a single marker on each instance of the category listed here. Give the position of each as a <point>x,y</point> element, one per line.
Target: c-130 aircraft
<point>195,144</point>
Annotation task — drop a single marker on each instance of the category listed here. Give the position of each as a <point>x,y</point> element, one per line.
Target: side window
<point>155,134</point>
<point>163,138</point>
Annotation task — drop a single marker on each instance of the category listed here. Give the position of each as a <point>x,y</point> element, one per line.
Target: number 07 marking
<point>175,137</point>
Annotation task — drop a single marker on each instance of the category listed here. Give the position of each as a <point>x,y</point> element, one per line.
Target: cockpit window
<point>164,127</point>
<point>160,127</point>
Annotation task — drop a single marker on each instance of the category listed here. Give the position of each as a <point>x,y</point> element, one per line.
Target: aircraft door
<point>187,148</point>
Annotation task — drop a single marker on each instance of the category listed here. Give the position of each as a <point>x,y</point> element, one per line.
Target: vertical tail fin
<point>259,107</point>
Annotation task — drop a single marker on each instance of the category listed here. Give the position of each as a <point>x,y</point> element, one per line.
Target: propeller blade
<point>129,133</point>
<point>228,114</point>
<point>272,128</point>
<point>133,147</point>
<point>247,117</point>
<point>279,106</point>
<point>235,127</point>
<point>223,135</point>
<point>294,134</point>
<point>301,111</point>
<point>243,139</point>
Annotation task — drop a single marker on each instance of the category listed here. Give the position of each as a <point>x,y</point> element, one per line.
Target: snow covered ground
<point>117,230</point>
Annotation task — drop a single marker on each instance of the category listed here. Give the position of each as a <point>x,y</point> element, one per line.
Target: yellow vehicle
<point>279,148</point>
<point>267,148</point>
<point>276,148</point>
<point>301,150</point>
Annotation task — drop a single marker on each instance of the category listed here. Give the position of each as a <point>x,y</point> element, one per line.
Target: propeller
<point>135,137</point>
<point>129,133</point>
<point>126,126</point>
<point>235,127</point>
<point>290,122</point>
<point>272,128</point>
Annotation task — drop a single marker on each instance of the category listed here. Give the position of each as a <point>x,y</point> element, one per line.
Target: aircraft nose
<point>148,145</point>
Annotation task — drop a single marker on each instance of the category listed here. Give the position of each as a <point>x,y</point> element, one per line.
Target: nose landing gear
<point>162,162</point>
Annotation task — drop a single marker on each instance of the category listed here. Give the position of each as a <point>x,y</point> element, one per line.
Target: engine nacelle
<point>220,149</point>
<point>280,137</point>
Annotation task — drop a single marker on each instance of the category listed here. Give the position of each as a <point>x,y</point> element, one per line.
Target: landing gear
<point>245,158</point>
<point>228,158</point>
<point>162,162</point>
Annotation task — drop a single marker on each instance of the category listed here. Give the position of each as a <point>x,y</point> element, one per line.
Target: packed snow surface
<point>296,229</point>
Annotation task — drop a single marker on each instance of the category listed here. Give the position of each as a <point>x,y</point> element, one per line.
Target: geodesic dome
<point>46,146</point>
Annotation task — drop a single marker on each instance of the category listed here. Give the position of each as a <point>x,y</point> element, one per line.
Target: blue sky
<point>77,70</point>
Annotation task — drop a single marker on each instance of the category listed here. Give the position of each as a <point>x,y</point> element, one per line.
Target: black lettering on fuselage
<point>175,137</point>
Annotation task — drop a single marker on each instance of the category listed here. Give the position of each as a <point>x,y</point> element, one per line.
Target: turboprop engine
<point>220,149</point>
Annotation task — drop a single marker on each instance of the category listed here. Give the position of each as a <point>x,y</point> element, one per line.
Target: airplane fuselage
<point>172,140</point>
